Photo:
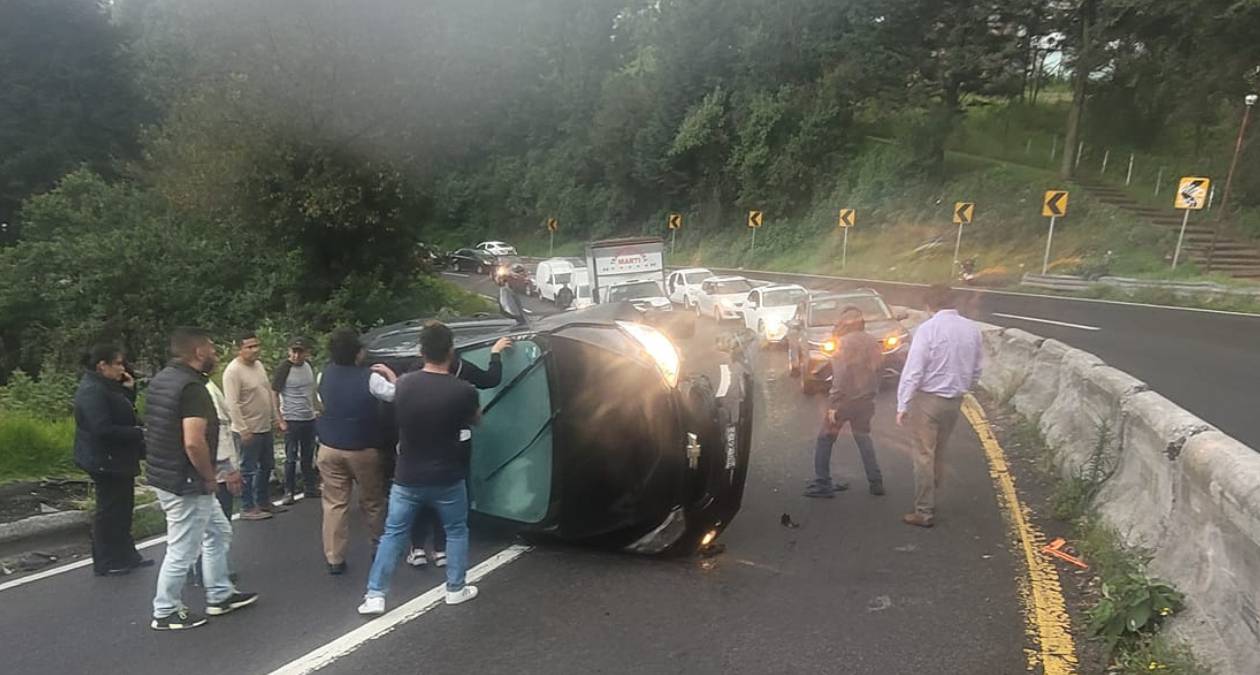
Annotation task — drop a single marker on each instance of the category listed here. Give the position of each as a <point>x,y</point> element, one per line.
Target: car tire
<point>698,312</point>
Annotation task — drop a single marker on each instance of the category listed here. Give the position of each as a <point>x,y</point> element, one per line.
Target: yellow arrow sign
<point>674,221</point>
<point>754,219</point>
<point>1192,193</point>
<point>964,213</point>
<point>552,225</point>
<point>848,217</point>
<point>1054,204</point>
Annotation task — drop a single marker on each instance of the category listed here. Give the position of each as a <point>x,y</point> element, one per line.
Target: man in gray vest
<point>182,436</point>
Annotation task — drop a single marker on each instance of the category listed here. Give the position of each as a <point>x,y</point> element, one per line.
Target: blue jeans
<point>451,503</point>
<point>258,459</point>
<point>299,443</point>
<point>195,526</point>
<point>857,414</point>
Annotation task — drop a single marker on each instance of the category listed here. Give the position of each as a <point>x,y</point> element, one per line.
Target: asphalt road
<point>1206,362</point>
<point>850,589</point>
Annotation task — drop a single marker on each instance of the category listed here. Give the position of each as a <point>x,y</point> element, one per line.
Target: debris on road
<point>1055,549</point>
<point>786,521</point>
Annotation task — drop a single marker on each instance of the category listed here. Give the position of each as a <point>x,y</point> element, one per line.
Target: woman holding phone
<point>108,445</point>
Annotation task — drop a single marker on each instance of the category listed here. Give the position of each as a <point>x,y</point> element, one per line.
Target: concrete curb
<point>1175,486</point>
<point>43,524</point>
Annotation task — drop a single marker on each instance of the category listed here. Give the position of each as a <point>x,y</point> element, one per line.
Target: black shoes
<point>231,603</point>
<point>117,572</point>
<point>180,620</point>
<point>336,568</point>
<point>877,489</point>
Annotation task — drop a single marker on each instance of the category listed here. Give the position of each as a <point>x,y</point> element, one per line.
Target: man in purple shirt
<point>943,365</point>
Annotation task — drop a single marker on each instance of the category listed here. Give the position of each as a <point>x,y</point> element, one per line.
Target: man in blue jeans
<point>247,391</point>
<point>432,406</point>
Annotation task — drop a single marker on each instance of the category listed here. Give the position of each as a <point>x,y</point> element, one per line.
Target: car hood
<point>651,303</point>
<point>734,299</point>
<point>781,314</point>
<point>876,329</point>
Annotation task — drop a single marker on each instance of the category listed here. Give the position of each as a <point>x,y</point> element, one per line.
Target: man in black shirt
<point>432,406</point>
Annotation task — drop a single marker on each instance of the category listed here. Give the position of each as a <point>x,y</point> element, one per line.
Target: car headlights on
<point>657,346</point>
<point>893,342</point>
<point>776,329</point>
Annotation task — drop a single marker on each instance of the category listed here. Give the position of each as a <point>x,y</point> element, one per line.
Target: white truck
<point>564,282</point>
<point>633,270</point>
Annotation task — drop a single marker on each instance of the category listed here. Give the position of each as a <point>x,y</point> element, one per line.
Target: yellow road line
<point>1049,625</point>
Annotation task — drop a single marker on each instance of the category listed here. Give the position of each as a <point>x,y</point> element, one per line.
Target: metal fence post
<point>1128,177</point>
<point>1080,150</point>
<point>1106,158</point>
<point>1159,179</point>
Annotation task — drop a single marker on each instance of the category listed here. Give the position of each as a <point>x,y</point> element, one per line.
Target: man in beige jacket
<point>248,393</point>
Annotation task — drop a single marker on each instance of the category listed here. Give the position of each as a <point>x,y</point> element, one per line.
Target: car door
<point>671,287</point>
<point>510,470</point>
<point>752,310</point>
<point>542,279</point>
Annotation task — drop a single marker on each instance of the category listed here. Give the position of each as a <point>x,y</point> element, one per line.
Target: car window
<point>732,287</point>
<point>785,297</point>
<point>753,299</point>
<point>510,470</point>
<point>826,312</point>
<point>694,278</point>
<point>561,278</point>
<point>639,289</point>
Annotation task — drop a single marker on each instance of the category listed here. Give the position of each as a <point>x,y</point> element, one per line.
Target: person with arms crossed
<point>182,438</point>
<point>433,408</point>
<point>943,365</point>
<point>855,368</point>
<point>248,394</point>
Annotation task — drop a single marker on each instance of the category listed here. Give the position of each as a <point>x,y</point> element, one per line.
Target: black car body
<point>471,260</point>
<point>589,439</point>
<point>810,340</point>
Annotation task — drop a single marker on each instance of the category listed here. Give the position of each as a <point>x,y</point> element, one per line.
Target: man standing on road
<point>433,408</point>
<point>293,394</point>
<point>248,396</point>
<point>943,365</point>
<point>855,368</point>
<point>427,519</point>
<point>350,440</point>
<point>182,436</point>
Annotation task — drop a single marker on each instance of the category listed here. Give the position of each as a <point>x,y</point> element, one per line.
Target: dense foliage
<point>224,161</point>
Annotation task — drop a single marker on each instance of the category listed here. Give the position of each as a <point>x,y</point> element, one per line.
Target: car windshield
<point>732,286</point>
<point>786,297</point>
<point>827,312</point>
<point>640,289</point>
<point>697,277</point>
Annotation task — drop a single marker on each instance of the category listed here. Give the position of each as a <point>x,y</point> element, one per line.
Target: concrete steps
<point>1237,258</point>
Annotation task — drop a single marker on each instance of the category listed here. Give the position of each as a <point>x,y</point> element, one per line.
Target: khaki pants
<point>932,420</point>
<point>341,469</point>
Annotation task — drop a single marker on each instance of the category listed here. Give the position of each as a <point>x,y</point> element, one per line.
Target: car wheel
<point>698,313</point>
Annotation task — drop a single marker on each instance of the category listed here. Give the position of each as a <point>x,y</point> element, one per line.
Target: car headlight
<point>827,347</point>
<point>892,342</point>
<point>776,329</point>
<point>657,346</point>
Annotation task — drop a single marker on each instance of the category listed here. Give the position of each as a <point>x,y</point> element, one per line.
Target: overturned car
<point>594,435</point>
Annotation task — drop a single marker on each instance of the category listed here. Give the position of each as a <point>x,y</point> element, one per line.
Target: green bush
<point>35,447</point>
<point>51,396</point>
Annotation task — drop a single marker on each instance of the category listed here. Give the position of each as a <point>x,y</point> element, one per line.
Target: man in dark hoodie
<point>855,366</point>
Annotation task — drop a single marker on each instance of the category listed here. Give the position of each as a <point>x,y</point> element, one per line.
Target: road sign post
<point>964,213</point>
<point>754,224</point>
<point>1053,205</point>
<point>848,218</point>
<point>674,223</point>
<point>1192,194</point>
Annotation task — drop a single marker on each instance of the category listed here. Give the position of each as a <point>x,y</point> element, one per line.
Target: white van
<point>564,282</point>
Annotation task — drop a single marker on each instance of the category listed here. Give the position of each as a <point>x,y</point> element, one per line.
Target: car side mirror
<point>510,304</point>
<point>901,314</point>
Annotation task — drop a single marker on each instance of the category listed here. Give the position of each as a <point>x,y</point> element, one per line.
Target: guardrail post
<point>1128,177</point>
<point>1159,179</point>
<point>1106,157</point>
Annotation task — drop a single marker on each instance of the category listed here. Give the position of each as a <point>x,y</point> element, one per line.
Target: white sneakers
<point>439,558</point>
<point>416,558</point>
<point>372,606</point>
<point>375,606</point>
<point>462,595</point>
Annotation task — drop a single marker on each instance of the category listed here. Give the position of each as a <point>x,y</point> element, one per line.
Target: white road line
<point>725,382</point>
<point>70,567</point>
<point>326,655</point>
<point>1049,321</point>
<point>456,274</point>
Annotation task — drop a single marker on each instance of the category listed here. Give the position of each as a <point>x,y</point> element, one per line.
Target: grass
<point>33,448</point>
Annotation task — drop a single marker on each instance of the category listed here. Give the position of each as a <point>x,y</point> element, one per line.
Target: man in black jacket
<point>182,436</point>
<point>108,445</point>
